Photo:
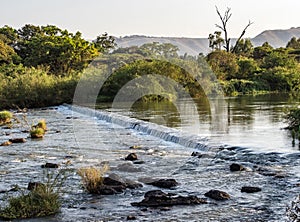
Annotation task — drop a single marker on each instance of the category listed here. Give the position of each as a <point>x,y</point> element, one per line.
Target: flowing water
<point>251,135</point>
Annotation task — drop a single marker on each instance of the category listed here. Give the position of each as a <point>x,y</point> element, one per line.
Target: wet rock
<point>131,157</point>
<point>131,217</point>
<point>18,140</point>
<point>157,198</point>
<point>197,154</point>
<point>127,167</point>
<point>236,167</point>
<point>249,189</point>
<point>115,185</point>
<point>164,183</point>
<point>50,165</point>
<point>34,185</point>
<point>217,195</point>
<point>6,143</point>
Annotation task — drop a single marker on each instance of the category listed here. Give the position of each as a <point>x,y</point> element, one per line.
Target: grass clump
<point>42,201</point>
<point>5,117</point>
<point>92,177</point>
<point>39,130</point>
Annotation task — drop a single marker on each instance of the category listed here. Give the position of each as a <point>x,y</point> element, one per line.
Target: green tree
<point>104,43</point>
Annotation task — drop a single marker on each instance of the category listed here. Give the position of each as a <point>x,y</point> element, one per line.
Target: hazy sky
<point>181,18</point>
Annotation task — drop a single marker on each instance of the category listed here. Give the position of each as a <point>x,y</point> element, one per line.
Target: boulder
<point>157,198</point>
<point>131,157</point>
<point>249,189</point>
<point>217,195</point>
<point>197,154</point>
<point>164,183</point>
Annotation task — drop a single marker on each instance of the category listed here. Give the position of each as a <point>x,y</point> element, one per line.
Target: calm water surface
<point>254,122</point>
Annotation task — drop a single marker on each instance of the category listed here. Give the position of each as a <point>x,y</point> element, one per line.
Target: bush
<point>42,201</point>
<point>293,118</point>
<point>92,177</point>
<point>5,117</point>
<point>42,125</point>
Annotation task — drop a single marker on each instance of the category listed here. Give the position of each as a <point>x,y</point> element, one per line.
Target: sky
<point>171,18</point>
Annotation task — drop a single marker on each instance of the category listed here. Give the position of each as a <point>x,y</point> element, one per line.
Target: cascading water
<point>152,129</point>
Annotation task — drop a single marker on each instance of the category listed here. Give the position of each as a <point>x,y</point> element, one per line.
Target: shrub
<point>293,118</point>
<point>5,117</point>
<point>42,201</point>
<point>92,177</point>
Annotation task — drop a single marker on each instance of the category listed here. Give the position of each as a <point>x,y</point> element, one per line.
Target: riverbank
<point>275,173</point>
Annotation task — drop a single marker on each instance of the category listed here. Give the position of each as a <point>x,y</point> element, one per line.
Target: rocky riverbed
<point>219,183</point>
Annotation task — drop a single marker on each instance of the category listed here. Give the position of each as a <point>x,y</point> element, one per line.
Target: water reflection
<point>252,121</point>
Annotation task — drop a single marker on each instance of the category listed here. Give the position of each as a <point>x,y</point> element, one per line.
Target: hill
<point>193,46</point>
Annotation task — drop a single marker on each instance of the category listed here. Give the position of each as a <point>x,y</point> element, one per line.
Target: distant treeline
<point>41,66</point>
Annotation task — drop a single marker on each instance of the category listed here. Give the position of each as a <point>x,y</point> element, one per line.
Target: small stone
<point>131,157</point>
<point>17,140</point>
<point>138,162</point>
<point>236,167</point>
<point>50,165</point>
<point>6,143</point>
<point>197,154</point>
<point>131,217</point>
<point>248,189</point>
<point>217,195</point>
<point>135,147</point>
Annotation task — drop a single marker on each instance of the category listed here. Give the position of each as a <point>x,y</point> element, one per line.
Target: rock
<point>217,195</point>
<point>197,154</point>
<point>157,198</point>
<point>135,147</point>
<point>131,157</point>
<point>138,162</point>
<point>164,183</point>
<point>127,167</point>
<point>6,143</point>
<point>113,184</point>
<point>18,140</point>
<point>50,165</point>
<point>131,217</point>
<point>34,185</point>
<point>248,189</point>
<point>236,167</point>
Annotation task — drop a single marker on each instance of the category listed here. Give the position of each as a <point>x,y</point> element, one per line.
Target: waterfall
<point>152,129</point>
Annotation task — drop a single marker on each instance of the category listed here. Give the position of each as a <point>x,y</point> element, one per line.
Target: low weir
<point>152,129</point>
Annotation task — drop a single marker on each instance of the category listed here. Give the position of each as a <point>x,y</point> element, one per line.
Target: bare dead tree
<point>241,36</point>
<point>224,20</point>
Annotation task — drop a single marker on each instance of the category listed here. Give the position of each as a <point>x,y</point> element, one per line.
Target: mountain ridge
<point>193,46</point>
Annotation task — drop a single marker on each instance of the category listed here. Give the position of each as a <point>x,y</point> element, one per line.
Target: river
<point>251,134</point>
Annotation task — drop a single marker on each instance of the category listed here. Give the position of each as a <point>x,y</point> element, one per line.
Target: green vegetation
<point>92,177</point>
<point>293,118</point>
<point>41,66</point>
<point>39,130</point>
<point>42,201</point>
<point>5,117</point>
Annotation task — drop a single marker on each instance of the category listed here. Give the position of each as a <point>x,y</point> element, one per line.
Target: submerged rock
<point>17,140</point>
<point>131,217</point>
<point>197,154</point>
<point>131,157</point>
<point>249,189</point>
<point>50,165</point>
<point>157,198</point>
<point>217,195</point>
<point>236,167</point>
<point>164,183</point>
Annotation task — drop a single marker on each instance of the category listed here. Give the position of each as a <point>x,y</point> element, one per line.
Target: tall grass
<point>92,177</point>
<point>34,87</point>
